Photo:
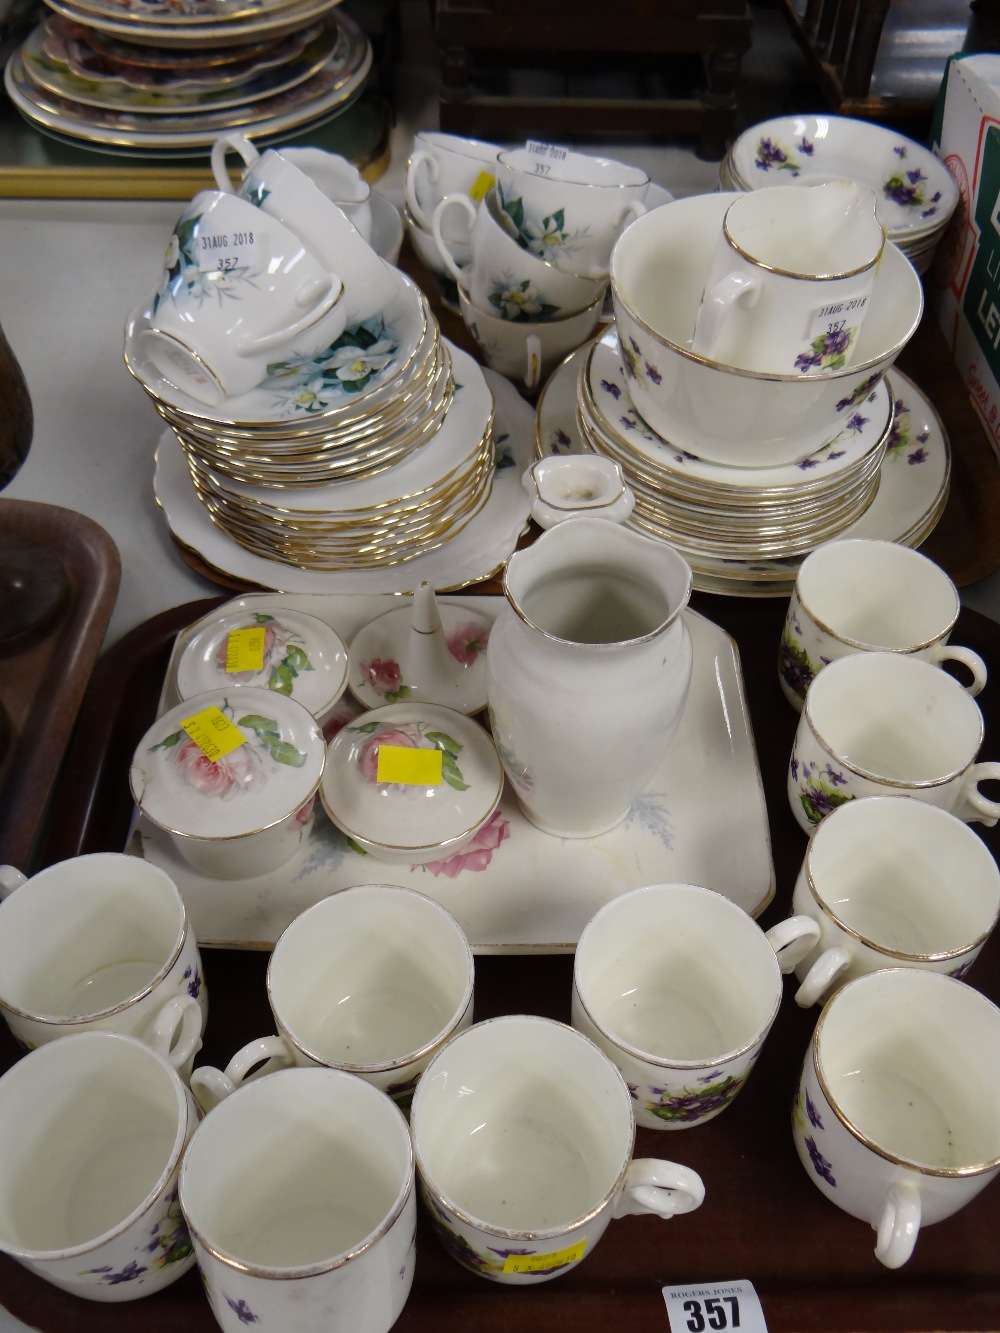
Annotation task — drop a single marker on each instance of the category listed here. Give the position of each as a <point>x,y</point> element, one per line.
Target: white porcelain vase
<point>588,669</point>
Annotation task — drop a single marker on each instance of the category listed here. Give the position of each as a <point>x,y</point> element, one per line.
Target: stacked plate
<point>916,192</point>
<point>161,77</point>
<point>745,531</point>
<point>375,451</point>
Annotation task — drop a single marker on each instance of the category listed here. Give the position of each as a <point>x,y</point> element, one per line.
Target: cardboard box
<point>963,286</point>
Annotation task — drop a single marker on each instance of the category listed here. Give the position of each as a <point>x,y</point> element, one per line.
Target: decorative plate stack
<point>916,192</point>
<point>745,531</point>
<point>169,76</point>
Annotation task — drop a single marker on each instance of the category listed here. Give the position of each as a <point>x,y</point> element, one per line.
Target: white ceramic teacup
<point>791,278</point>
<point>526,351</point>
<point>299,1195</point>
<point>862,595</point>
<point>240,291</point>
<point>339,180</point>
<point>897,1116</point>
<point>92,1131</point>
<point>100,942</point>
<point>569,208</point>
<point>442,164</point>
<point>523,1134</point>
<point>893,882</point>
<point>504,278</point>
<point>373,979</point>
<point>679,987</point>
<point>876,724</point>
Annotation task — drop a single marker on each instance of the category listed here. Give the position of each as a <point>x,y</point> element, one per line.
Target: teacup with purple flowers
<point>790,282</point>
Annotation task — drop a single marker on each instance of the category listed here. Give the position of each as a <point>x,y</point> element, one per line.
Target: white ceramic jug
<point>587,672</point>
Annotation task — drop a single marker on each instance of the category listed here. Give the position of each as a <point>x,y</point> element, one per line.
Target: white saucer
<point>477,552</point>
<point>912,493</point>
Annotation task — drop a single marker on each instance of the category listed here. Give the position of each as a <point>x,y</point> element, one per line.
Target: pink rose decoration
<point>383,674</point>
<point>237,771</point>
<point>477,854</point>
<point>467,642</point>
<point>368,754</point>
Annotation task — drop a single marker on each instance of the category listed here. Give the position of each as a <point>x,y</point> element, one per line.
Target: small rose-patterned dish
<point>245,811</point>
<point>303,658</point>
<point>411,782</point>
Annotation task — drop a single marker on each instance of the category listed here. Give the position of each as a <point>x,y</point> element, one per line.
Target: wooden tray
<point>763,1219</point>
<point>43,679</point>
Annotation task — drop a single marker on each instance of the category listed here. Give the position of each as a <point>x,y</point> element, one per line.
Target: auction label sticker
<point>714,1307</point>
<point>221,252</point>
<point>544,1263</point>
<point>245,649</point>
<point>213,733</point>
<point>403,763</point>
<point>481,186</point>
<point>837,318</point>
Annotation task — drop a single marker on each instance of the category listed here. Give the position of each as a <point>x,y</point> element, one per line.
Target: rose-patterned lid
<point>408,817</point>
<point>303,658</point>
<point>273,769</point>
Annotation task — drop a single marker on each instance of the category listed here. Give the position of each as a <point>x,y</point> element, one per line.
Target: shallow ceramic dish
<point>245,812</point>
<point>735,417</point>
<point>303,658</point>
<point>916,192</point>
<point>411,818</point>
<point>914,479</point>
<point>477,552</point>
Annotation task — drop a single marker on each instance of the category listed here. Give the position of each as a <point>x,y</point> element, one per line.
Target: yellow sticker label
<point>481,187</point>
<point>245,649</point>
<point>402,763</point>
<point>543,1263</point>
<point>213,733</point>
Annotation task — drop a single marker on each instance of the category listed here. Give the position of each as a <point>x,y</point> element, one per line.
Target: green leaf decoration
<point>547,311</point>
<point>444,742</point>
<point>355,848</point>
<point>452,774</point>
<point>281,680</point>
<point>260,726</point>
<point>514,208</point>
<point>260,618</point>
<point>167,741</point>
<point>297,658</point>
<point>285,753</point>
<point>365,727</point>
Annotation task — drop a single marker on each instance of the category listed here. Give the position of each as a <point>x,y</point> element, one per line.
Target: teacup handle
<point>210,1085</point>
<point>974,807</point>
<point>419,159</point>
<point>653,1185</point>
<point>239,143</point>
<point>310,292</point>
<point>947,652</point>
<point>898,1226</point>
<point>715,307</point>
<point>10,879</point>
<point>821,975</point>
<point>462,201</point>
<point>176,1030</point>
<point>792,939</point>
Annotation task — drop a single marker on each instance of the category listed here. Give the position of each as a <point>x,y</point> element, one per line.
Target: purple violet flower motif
<point>653,373</point>
<point>612,389</point>
<point>242,1311</point>
<point>812,1113</point>
<point>820,1165</point>
<point>917,456</point>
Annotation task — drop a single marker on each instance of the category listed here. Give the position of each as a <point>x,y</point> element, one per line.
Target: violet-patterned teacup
<point>880,724</point>
<point>523,1135</point>
<point>92,1132</point>
<point>680,987</point>
<point>100,942</point>
<point>897,1115</point>
<point>862,595</point>
<point>373,979</point>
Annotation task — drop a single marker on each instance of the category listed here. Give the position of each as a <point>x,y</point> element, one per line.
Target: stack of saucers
<point>916,192</point>
<point>171,75</point>
<point>777,512</point>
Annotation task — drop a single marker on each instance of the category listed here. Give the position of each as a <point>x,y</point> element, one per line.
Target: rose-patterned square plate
<point>515,889</point>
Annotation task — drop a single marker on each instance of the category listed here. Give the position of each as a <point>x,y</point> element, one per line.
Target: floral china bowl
<point>232,776</point>
<point>411,782</point>
<point>738,418</point>
<point>916,192</point>
<point>266,646</point>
